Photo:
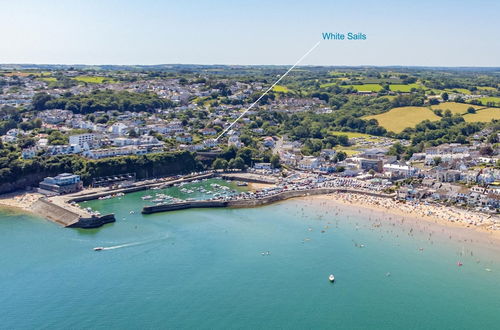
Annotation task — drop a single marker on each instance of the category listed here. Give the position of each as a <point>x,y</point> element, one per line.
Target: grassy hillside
<point>280,88</point>
<point>93,79</point>
<point>455,108</point>
<point>398,119</point>
<point>403,88</point>
<point>483,115</point>
<point>365,87</point>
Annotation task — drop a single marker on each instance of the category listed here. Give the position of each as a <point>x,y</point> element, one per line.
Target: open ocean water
<point>205,269</point>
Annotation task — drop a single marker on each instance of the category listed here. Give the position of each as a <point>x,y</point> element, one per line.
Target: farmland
<point>484,115</point>
<point>365,87</point>
<point>397,119</point>
<point>281,89</point>
<point>455,108</point>
<point>486,100</point>
<point>404,88</point>
<point>93,79</point>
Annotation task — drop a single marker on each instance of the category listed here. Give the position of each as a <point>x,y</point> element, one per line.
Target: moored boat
<point>331,278</point>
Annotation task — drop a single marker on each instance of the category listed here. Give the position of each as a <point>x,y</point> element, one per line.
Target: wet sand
<point>388,213</point>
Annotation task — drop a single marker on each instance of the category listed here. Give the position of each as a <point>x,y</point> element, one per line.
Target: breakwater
<point>66,217</point>
<point>182,206</point>
<point>82,197</point>
<point>242,203</point>
<point>234,176</point>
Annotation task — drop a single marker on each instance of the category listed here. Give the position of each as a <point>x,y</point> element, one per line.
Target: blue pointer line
<point>272,86</point>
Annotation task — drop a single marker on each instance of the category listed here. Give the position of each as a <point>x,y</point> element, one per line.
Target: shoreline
<point>415,212</point>
<point>448,216</point>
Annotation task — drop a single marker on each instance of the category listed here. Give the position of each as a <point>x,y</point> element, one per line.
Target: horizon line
<point>254,65</point>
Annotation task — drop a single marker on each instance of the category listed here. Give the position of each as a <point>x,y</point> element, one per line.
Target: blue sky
<point>430,33</point>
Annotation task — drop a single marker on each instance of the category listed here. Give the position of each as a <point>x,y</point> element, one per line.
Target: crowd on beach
<point>429,211</point>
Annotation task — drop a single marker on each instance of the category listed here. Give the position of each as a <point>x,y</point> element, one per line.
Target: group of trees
<point>31,171</point>
<point>450,129</point>
<point>234,158</point>
<point>101,100</point>
<point>308,125</point>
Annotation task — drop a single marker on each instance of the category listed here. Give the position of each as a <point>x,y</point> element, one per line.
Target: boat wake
<point>114,247</point>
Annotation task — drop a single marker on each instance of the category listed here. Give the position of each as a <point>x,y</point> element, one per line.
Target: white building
<point>399,171</point>
<point>83,140</point>
<point>119,129</point>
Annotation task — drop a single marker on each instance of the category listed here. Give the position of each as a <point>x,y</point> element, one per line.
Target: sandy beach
<point>22,201</point>
<point>444,216</point>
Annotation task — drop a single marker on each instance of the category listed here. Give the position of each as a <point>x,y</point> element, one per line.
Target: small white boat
<point>331,278</point>
<point>147,197</point>
<point>99,248</point>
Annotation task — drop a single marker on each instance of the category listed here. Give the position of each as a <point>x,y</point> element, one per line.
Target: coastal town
<point>94,116</point>
<point>249,165</point>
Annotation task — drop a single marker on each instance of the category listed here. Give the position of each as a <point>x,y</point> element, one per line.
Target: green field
<point>455,108</point>
<point>351,134</point>
<point>484,115</point>
<point>327,85</point>
<point>94,79</point>
<point>365,87</point>
<point>486,88</point>
<point>398,119</point>
<point>403,88</point>
<point>48,79</point>
<point>485,100</point>
<point>281,89</point>
<point>458,90</point>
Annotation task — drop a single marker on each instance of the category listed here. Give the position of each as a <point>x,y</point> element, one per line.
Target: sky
<point>409,33</point>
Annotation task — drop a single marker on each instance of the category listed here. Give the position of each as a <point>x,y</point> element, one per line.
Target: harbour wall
<point>182,206</point>
<point>81,197</point>
<point>91,196</point>
<point>66,217</point>
<point>257,201</point>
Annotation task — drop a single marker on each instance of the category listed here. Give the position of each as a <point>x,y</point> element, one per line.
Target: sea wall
<point>182,206</point>
<point>247,178</point>
<point>94,221</point>
<point>90,196</point>
<point>299,193</point>
<point>257,201</point>
<point>55,212</point>
<point>66,217</point>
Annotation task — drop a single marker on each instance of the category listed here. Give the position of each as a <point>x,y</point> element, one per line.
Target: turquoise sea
<point>209,269</point>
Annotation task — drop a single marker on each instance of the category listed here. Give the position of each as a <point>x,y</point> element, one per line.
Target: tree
<point>445,96</point>
<point>486,151</point>
<point>132,133</point>
<point>397,149</point>
<point>339,156</point>
<point>493,138</point>
<point>220,164</point>
<point>275,161</point>
<point>237,163</point>
<point>371,172</point>
<point>40,99</point>
<point>437,160</point>
<point>471,110</point>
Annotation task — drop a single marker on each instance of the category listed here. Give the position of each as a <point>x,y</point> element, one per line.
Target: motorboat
<point>331,278</point>
<point>147,197</point>
<point>99,248</point>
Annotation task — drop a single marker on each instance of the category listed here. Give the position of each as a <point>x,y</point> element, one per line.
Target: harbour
<point>209,259</point>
